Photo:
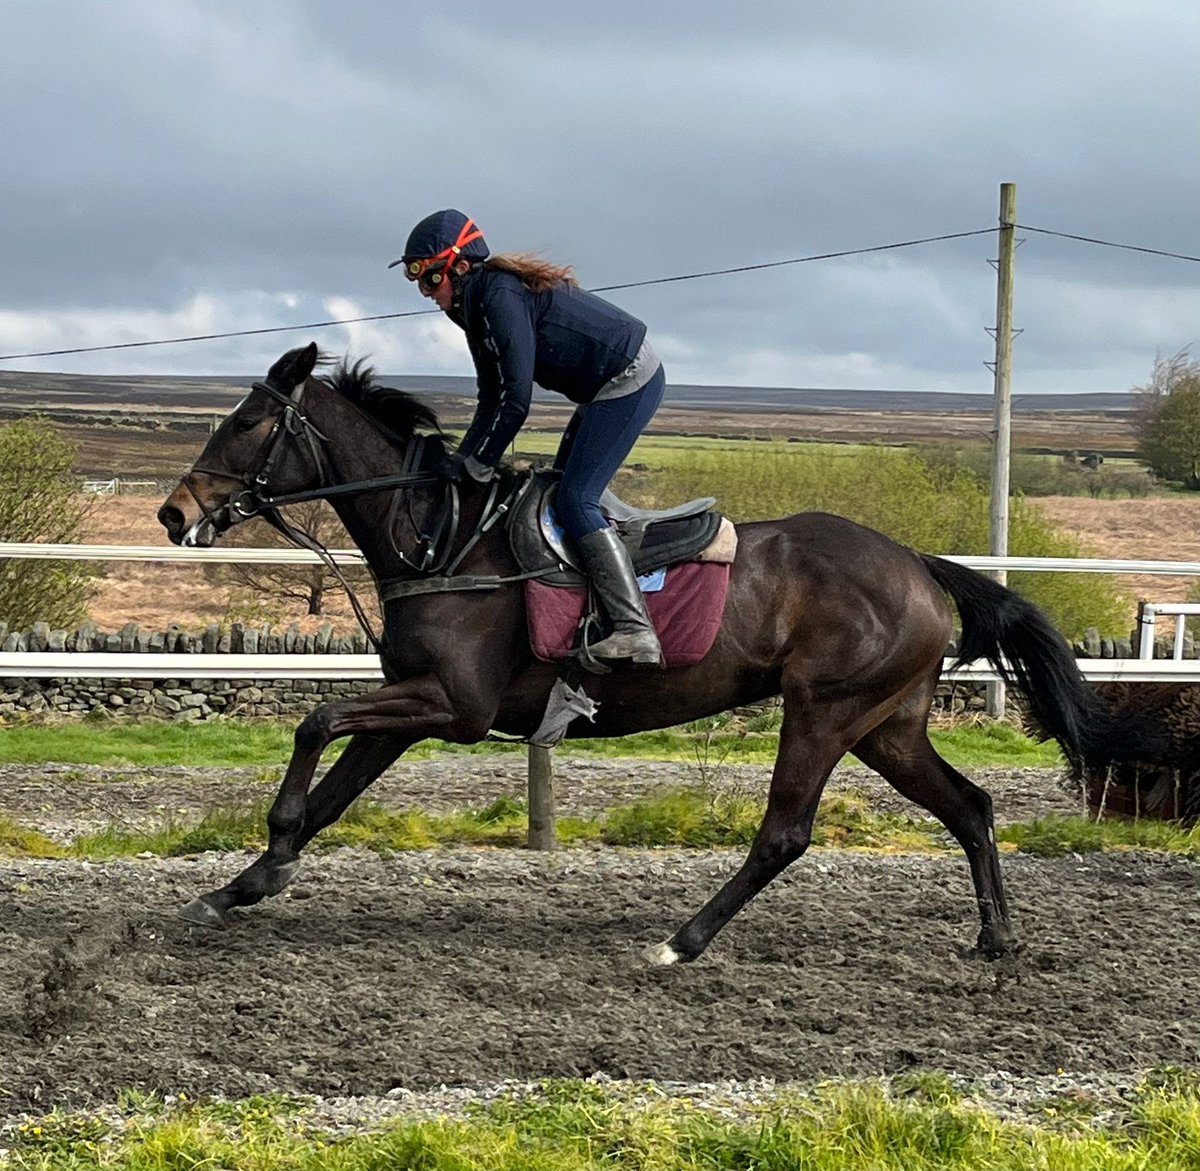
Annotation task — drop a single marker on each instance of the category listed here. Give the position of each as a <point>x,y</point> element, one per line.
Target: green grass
<point>582,1126</point>
<point>17,841</point>
<point>1053,836</point>
<point>695,817</point>
<point>366,825</point>
<point>659,451</point>
<point>226,743</point>
<point>992,743</point>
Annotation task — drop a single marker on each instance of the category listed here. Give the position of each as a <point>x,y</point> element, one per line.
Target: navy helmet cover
<point>438,232</point>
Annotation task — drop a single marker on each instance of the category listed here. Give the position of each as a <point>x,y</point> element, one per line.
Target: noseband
<point>254,499</point>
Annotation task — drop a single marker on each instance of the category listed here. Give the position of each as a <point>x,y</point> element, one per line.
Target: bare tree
<point>307,584</point>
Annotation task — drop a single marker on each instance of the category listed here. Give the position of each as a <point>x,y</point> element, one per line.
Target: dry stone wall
<point>187,696</point>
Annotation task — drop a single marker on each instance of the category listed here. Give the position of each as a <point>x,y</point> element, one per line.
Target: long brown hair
<point>538,274</point>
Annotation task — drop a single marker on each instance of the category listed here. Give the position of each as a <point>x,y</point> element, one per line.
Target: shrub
<point>40,501</point>
<point>1040,475</point>
<point>936,508</point>
<point>1168,419</point>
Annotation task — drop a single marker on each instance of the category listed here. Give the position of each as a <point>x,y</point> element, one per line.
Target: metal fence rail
<point>61,664</point>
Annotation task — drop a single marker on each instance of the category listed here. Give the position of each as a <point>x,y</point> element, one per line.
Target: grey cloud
<point>156,152</point>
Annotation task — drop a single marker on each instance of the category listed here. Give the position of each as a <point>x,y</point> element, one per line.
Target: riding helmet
<point>444,231</point>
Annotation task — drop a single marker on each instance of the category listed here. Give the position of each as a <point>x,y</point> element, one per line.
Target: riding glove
<point>457,465</point>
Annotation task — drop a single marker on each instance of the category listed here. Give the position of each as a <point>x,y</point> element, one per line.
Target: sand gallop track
<point>476,966</point>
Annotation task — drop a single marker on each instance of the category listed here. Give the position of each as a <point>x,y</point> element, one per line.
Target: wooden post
<point>541,834</point>
<point>1002,404</point>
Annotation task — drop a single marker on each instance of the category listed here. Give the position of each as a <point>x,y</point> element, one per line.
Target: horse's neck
<point>359,451</point>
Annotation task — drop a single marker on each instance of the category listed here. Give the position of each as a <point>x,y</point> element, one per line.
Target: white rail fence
<point>54,664</point>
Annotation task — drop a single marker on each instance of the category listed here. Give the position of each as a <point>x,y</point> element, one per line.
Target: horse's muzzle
<point>187,525</point>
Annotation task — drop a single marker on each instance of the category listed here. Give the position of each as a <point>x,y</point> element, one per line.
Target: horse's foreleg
<point>384,723</point>
<point>801,770</point>
<point>362,763</point>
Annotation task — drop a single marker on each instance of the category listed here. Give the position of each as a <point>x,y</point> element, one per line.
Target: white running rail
<point>228,555</point>
<point>131,665</point>
<point>1149,617</point>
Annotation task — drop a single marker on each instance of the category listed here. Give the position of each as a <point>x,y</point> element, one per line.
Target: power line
<point>205,337</point>
<point>691,276</point>
<point>1108,243</point>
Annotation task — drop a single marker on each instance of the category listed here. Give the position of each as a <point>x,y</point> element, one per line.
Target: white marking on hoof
<point>661,955</point>
<point>200,913</point>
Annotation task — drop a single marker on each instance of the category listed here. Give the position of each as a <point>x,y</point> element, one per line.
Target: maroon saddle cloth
<point>686,613</point>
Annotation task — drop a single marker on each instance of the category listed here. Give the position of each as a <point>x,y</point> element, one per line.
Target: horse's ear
<point>295,366</point>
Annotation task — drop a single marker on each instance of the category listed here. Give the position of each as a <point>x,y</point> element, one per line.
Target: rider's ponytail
<point>538,275</point>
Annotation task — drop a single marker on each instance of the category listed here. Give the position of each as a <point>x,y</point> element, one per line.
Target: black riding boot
<point>611,571</point>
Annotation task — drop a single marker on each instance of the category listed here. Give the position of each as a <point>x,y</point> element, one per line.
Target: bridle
<point>254,500</point>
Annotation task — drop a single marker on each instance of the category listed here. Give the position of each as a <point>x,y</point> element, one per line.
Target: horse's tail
<point>1016,638</point>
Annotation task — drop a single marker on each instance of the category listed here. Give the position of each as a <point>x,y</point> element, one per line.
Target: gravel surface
<point>418,984</point>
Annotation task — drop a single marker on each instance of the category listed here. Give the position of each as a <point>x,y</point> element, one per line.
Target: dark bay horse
<point>848,626</point>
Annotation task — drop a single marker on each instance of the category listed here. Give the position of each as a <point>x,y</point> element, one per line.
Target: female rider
<point>527,320</point>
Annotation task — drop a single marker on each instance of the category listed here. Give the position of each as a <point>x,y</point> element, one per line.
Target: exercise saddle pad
<point>685,602</point>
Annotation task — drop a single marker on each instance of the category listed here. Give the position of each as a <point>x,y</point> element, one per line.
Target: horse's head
<point>266,443</point>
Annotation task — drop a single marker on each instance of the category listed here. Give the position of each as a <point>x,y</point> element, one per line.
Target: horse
<point>846,625</point>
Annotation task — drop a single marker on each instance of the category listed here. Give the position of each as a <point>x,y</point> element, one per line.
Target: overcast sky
<point>174,167</point>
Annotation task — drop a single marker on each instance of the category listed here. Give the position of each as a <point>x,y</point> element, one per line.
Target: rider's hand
<point>452,468</point>
<point>457,467</point>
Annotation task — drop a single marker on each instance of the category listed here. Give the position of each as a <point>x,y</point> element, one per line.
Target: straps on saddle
<point>654,538</point>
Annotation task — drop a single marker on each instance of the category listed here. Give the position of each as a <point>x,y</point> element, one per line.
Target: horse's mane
<point>397,410</point>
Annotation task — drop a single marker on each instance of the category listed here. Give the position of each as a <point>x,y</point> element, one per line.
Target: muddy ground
<point>475,966</point>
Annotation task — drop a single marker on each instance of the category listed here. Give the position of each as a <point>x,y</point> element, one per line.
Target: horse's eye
<point>247,422</point>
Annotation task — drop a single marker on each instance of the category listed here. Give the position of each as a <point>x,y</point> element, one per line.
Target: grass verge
<point>695,817</point>
<point>584,1126</point>
<point>230,743</point>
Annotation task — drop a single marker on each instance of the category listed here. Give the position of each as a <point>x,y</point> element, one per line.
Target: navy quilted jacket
<point>564,339</point>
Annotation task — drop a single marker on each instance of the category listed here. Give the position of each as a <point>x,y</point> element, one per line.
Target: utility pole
<point>1002,405</point>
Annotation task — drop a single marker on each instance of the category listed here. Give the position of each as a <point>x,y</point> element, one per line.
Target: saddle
<point>654,538</point>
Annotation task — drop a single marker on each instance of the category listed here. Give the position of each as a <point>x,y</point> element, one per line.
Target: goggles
<point>432,270</point>
<point>429,273</point>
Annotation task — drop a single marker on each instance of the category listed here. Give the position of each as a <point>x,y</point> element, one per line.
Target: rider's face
<point>441,295</point>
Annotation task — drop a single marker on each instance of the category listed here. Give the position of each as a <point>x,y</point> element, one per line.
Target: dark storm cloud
<point>208,164</point>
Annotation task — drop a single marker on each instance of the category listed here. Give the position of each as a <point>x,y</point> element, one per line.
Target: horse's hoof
<point>661,955</point>
<point>991,948</point>
<point>201,913</point>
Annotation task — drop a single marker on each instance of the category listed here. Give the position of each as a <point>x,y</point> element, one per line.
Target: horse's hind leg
<point>362,762</point>
<point>900,751</point>
<point>801,770</point>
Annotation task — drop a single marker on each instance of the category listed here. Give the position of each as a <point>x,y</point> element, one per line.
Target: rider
<point>528,320</point>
